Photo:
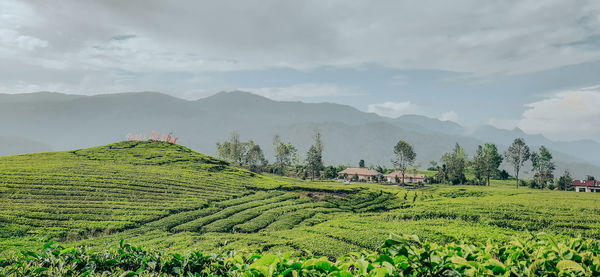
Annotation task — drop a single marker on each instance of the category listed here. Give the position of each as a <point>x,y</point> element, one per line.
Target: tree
<point>503,175</point>
<point>442,174</point>
<point>517,154</point>
<point>232,150</point>
<point>543,167</point>
<point>565,182</point>
<point>361,163</point>
<point>245,154</point>
<point>492,160</point>
<point>455,165</point>
<point>314,156</point>
<point>254,156</point>
<point>285,154</point>
<point>331,172</point>
<point>404,156</point>
<point>590,178</point>
<point>433,166</point>
<point>479,165</point>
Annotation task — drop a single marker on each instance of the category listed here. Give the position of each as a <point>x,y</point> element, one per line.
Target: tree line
<point>451,169</point>
<point>249,155</point>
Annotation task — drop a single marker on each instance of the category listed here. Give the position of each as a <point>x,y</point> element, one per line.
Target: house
<point>586,185</point>
<point>408,178</point>
<point>364,174</point>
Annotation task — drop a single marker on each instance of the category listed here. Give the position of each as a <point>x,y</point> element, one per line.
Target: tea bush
<point>532,255</point>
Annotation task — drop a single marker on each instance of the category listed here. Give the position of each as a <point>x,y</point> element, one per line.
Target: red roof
<point>585,183</point>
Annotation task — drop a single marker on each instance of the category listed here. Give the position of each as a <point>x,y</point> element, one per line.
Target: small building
<point>364,174</point>
<point>586,185</point>
<point>408,178</point>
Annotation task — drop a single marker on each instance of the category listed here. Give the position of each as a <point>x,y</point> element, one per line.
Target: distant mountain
<point>582,150</point>
<point>74,121</point>
<point>420,122</point>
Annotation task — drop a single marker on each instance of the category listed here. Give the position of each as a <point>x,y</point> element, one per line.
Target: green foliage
<point>331,172</point>
<point>246,154</point>
<point>404,156</point>
<point>565,182</point>
<point>169,198</point>
<point>480,165</point>
<point>492,160</point>
<point>517,154</point>
<point>455,163</point>
<point>543,166</point>
<point>503,175</point>
<point>314,156</point>
<point>534,255</point>
<point>285,155</point>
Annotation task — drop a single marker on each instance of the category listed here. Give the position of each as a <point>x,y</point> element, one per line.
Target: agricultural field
<point>169,198</point>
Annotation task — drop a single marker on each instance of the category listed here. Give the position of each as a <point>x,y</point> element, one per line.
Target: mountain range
<point>46,121</point>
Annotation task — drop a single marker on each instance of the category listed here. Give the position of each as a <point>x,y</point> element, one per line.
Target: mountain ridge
<point>74,121</point>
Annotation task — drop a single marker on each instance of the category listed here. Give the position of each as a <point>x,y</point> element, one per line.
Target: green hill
<point>138,187</point>
<point>167,197</point>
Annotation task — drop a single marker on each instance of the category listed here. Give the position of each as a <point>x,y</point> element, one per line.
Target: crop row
<point>196,224</point>
<point>270,216</point>
<point>293,219</point>
<point>226,224</point>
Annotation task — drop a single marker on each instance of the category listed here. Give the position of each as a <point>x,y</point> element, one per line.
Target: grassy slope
<point>168,197</point>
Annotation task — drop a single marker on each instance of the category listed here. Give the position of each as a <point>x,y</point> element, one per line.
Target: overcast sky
<point>528,64</point>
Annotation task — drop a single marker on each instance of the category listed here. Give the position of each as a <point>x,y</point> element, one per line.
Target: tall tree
<point>404,156</point>
<point>517,154</point>
<point>285,154</point>
<point>361,163</point>
<point>254,156</point>
<point>314,156</point>
<point>543,166</point>
<point>442,174</point>
<point>493,160</point>
<point>480,165</point>
<point>245,154</point>
<point>455,162</point>
<point>232,150</point>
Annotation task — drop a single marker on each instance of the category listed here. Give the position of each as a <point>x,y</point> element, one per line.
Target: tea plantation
<point>173,200</point>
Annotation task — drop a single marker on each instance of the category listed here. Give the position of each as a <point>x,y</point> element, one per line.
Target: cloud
<point>303,92</point>
<point>495,37</point>
<point>567,115</point>
<point>393,109</point>
<point>501,123</point>
<point>11,38</point>
<point>449,116</point>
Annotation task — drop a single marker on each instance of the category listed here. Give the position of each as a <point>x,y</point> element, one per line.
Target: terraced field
<point>167,197</point>
<point>144,187</point>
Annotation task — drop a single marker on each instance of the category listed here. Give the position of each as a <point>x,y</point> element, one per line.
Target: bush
<point>534,255</point>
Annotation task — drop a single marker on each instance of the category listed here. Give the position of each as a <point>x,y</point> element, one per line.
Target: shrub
<point>533,255</point>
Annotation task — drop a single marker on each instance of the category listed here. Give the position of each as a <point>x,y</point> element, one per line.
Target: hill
<point>74,121</point>
<point>169,197</point>
<point>147,186</point>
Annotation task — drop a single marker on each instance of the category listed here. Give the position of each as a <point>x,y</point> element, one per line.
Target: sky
<point>533,65</point>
